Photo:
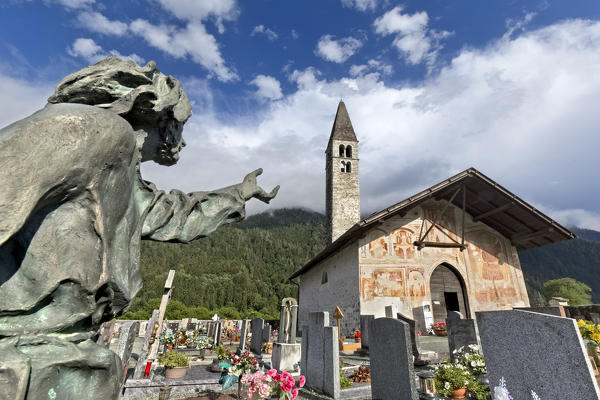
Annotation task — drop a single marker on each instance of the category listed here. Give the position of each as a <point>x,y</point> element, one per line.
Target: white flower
<point>446,385</point>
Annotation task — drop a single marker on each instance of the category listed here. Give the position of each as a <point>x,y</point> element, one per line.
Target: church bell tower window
<point>349,152</point>
<point>341,150</point>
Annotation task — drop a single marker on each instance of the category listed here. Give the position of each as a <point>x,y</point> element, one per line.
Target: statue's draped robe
<point>73,210</point>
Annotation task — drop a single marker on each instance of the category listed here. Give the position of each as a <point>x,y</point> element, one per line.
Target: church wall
<point>393,271</point>
<point>341,289</point>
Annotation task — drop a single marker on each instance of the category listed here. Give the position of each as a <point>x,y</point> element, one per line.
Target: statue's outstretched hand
<point>250,189</point>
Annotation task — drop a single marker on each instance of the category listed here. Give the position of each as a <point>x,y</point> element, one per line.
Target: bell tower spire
<point>342,191</point>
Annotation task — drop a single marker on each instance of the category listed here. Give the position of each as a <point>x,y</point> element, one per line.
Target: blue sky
<point>432,87</point>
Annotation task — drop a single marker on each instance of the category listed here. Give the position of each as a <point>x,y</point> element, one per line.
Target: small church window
<point>324,278</point>
<point>348,167</point>
<point>341,150</point>
<point>342,166</point>
<point>349,152</point>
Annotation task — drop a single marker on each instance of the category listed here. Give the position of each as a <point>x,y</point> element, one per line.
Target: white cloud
<point>412,38</point>
<point>72,3</point>
<point>337,51</point>
<point>96,22</point>
<point>201,10</point>
<point>89,50</point>
<point>192,41</point>
<point>261,29</point>
<point>20,98</point>
<point>267,87</point>
<point>523,111</point>
<point>361,5</point>
<point>295,34</point>
<point>197,11</point>
<point>371,66</point>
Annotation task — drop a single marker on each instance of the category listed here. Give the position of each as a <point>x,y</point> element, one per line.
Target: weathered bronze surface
<point>73,209</point>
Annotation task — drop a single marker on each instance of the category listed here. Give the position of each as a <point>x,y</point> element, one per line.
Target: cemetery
<point>455,324</point>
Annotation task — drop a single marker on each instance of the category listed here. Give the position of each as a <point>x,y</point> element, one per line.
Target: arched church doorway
<point>448,292</point>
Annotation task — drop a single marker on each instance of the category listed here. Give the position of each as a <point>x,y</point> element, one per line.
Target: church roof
<point>486,201</point>
<point>342,127</point>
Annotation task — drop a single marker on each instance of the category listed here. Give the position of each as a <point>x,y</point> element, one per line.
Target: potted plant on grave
<point>439,328</point>
<point>176,364</point>
<point>356,335</point>
<point>454,380</point>
<point>235,368</point>
<point>590,332</point>
<point>267,348</point>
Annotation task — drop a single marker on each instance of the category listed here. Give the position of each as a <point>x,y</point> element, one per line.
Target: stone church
<point>452,246</point>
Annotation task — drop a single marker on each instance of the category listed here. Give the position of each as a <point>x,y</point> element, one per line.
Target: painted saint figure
<point>73,209</point>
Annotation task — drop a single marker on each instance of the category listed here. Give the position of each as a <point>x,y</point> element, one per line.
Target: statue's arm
<point>181,217</point>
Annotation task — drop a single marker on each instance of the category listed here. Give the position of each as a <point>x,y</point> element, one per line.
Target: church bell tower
<point>342,192</point>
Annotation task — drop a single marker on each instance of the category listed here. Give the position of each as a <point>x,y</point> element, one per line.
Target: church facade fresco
<point>393,271</point>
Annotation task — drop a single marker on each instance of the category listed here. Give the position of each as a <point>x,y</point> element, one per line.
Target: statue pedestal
<point>285,356</point>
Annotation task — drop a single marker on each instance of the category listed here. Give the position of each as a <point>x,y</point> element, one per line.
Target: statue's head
<point>149,100</point>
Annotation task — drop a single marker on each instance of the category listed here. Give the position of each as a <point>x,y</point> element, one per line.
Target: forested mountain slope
<point>245,266</point>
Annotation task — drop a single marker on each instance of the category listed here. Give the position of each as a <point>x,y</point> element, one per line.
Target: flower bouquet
<point>272,385</point>
<point>356,334</point>
<point>439,328</point>
<point>167,338</point>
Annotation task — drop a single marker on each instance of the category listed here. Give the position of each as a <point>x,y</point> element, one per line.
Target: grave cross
<point>338,315</point>
<point>161,313</point>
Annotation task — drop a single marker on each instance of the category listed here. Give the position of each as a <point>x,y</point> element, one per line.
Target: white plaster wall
<point>340,290</point>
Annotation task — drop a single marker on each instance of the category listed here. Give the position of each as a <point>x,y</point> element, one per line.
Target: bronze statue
<point>73,209</point>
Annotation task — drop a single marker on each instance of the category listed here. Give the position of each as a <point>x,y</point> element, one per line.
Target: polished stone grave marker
<point>392,371</point>
<point>256,327</point>
<point>365,321</point>
<point>462,332</point>
<point>538,353</point>
<point>320,361</point>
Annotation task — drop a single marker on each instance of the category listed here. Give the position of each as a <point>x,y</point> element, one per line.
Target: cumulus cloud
<point>267,87</point>
<point>370,67</point>
<point>412,38</point>
<point>262,30</point>
<point>337,51</point>
<point>197,11</point>
<point>73,4</point>
<point>191,41</point>
<point>89,50</point>
<point>361,5</point>
<point>20,98</point>
<point>96,22</point>
<point>295,34</point>
<point>523,111</point>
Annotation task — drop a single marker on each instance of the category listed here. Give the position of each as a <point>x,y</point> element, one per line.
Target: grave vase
<point>459,393</point>
<point>175,372</point>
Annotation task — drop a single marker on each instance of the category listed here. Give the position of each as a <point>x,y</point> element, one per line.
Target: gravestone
<point>256,327</point>
<point>217,333</point>
<point>174,326</point>
<point>462,332</point>
<point>243,336</point>
<point>391,311</point>
<point>320,355</point>
<point>392,371</point>
<point>128,334</point>
<point>288,320</point>
<point>286,352</point>
<point>365,321</point>
<point>149,338</point>
<point>210,329</point>
<point>143,327</point>
<point>413,333</point>
<point>266,334</point>
<point>192,326</point>
<point>538,353</point>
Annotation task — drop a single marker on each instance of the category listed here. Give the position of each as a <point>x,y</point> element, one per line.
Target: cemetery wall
<point>394,272</point>
<point>340,288</point>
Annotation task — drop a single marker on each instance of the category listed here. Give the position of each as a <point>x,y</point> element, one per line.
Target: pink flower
<point>302,380</point>
<point>272,372</point>
<point>294,393</point>
<point>286,387</point>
